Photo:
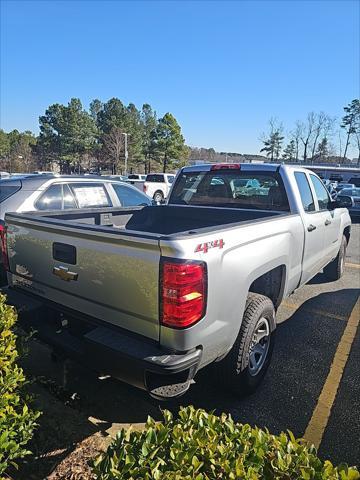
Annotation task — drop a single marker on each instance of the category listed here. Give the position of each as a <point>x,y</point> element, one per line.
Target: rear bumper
<point>109,350</point>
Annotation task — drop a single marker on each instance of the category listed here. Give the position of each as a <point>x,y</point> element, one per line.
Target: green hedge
<point>17,421</point>
<point>200,445</point>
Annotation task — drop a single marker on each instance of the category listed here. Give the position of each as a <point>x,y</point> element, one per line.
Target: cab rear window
<point>231,189</point>
<point>155,178</point>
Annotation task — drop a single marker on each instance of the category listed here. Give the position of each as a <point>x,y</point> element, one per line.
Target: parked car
<point>136,176</point>
<point>46,192</point>
<point>355,194</point>
<point>4,175</point>
<point>158,185</point>
<point>342,185</point>
<point>119,178</point>
<point>43,192</point>
<point>355,181</point>
<point>23,174</point>
<point>151,295</point>
<point>331,189</point>
<point>137,180</point>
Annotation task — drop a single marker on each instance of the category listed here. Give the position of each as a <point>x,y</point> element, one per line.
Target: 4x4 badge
<point>204,247</point>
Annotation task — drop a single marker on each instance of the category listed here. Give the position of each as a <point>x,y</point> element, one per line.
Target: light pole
<point>126,151</point>
<point>20,156</point>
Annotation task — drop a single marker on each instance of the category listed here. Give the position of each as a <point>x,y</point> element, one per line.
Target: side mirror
<point>342,201</point>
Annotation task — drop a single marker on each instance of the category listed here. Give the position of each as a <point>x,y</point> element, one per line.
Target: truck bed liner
<point>161,220</point>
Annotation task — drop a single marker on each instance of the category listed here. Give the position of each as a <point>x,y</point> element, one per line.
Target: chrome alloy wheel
<point>259,346</point>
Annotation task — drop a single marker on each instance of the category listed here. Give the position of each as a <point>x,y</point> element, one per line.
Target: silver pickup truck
<point>151,295</point>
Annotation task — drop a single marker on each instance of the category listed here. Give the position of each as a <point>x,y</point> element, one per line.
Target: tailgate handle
<point>65,274</point>
<point>63,252</point>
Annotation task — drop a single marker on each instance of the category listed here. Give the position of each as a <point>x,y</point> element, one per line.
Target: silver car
<point>48,192</point>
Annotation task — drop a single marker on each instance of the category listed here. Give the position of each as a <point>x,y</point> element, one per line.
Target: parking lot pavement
<point>311,325</point>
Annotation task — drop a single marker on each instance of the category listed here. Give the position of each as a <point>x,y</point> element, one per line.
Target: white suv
<point>158,185</point>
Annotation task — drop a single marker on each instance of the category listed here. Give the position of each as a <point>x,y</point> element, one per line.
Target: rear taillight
<point>144,188</point>
<point>183,292</point>
<point>3,244</point>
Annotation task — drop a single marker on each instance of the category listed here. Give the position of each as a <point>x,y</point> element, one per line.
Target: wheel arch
<point>347,233</point>
<point>271,284</point>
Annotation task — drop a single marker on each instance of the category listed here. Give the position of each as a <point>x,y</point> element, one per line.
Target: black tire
<point>158,196</point>
<point>235,371</point>
<point>335,269</point>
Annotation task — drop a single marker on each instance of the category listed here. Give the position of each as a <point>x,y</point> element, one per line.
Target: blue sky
<point>222,68</point>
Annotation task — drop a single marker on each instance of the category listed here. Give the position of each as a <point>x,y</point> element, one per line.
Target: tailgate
<point>106,275</point>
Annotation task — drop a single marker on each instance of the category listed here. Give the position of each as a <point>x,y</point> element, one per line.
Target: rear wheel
<point>335,269</point>
<point>158,196</point>
<point>244,367</point>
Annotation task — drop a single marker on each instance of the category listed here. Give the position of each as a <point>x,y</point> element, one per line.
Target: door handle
<point>311,227</point>
<point>327,222</point>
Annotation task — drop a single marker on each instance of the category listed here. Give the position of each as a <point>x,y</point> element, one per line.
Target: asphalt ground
<point>311,325</point>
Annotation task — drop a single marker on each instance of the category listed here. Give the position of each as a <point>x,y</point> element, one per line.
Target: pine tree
<point>67,132</point>
<point>322,151</point>
<point>351,123</point>
<point>290,151</point>
<point>167,143</point>
<point>272,145</point>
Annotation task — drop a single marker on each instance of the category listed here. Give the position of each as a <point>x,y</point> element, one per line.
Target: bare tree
<point>295,135</point>
<point>306,132</point>
<point>323,125</point>
<point>114,147</point>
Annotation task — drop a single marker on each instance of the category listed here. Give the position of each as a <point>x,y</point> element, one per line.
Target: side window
<point>90,195</point>
<point>321,193</point>
<point>129,197</point>
<point>51,199</point>
<point>305,192</point>
<point>69,200</point>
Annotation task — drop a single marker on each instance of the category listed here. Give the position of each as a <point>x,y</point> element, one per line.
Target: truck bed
<point>113,255</point>
<point>157,220</point>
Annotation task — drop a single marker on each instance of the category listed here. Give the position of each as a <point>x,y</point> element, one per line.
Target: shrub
<point>17,421</point>
<point>200,445</point>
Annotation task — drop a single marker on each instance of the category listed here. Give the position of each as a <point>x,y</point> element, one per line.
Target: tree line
<point>100,138</point>
<point>313,140</point>
<point>97,139</point>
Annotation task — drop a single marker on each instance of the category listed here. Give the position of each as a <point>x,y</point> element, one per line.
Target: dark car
<point>340,186</point>
<point>355,194</point>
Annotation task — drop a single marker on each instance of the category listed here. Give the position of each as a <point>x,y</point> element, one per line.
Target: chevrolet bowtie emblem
<point>64,274</point>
